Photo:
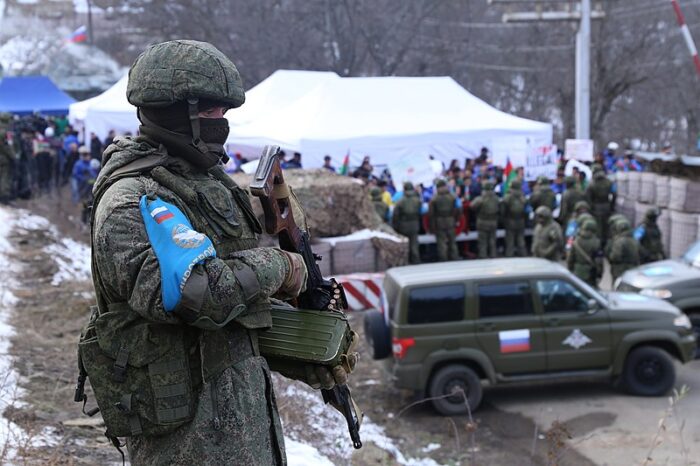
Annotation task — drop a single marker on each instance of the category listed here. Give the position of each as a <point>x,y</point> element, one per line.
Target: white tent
<point>109,110</point>
<point>387,118</point>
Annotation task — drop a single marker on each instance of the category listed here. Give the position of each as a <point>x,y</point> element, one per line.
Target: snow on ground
<point>325,422</point>
<point>301,454</point>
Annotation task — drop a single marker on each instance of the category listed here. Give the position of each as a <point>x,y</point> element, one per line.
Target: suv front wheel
<point>452,387</point>
<point>649,371</point>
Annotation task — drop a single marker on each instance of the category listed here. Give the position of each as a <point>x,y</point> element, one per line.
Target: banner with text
<point>542,161</point>
<point>416,168</point>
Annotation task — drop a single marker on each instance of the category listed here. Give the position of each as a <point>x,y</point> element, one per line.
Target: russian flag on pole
<point>79,35</point>
<point>514,341</point>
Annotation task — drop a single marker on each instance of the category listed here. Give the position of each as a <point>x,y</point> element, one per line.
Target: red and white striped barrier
<point>686,34</point>
<point>362,290</point>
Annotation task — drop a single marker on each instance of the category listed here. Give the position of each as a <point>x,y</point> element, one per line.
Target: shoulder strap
<point>584,254</point>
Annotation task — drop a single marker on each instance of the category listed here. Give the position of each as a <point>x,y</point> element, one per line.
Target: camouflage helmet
<point>543,212</point>
<point>589,226</point>
<point>179,70</point>
<point>570,181</point>
<point>487,185</point>
<point>614,218</point>
<point>622,226</point>
<point>542,180</point>
<point>408,186</point>
<point>516,185</point>
<point>596,167</point>
<point>440,183</point>
<point>582,205</point>
<point>375,192</point>
<point>652,214</point>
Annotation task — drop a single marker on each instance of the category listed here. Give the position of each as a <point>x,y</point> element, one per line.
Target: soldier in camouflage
<point>206,395</point>
<point>600,197</point>
<point>547,241</point>
<point>584,259</point>
<point>486,208</point>
<point>406,220</point>
<point>379,205</point>
<point>7,160</point>
<point>513,213</point>
<point>572,195</point>
<point>623,251</point>
<point>443,214</point>
<point>651,247</point>
<point>543,195</point>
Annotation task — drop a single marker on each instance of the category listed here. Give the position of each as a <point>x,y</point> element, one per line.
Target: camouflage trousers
<point>413,250</point>
<point>236,422</point>
<point>515,242</point>
<point>446,245</point>
<point>486,243</point>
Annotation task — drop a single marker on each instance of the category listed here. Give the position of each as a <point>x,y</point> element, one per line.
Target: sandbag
<point>621,181</point>
<point>684,195</point>
<point>684,231</point>
<point>647,193</point>
<point>634,184</point>
<point>663,190</point>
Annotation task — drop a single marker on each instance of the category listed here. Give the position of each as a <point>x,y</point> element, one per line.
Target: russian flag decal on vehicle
<point>514,341</point>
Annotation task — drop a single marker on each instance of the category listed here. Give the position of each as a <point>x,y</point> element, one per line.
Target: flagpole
<point>89,13</point>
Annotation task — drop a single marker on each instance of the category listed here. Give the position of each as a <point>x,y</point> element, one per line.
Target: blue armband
<point>571,228</point>
<point>639,232</point>
<point>177,246</point>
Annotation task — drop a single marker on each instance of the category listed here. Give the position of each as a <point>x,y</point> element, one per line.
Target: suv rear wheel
<point>649,371</point>
<point>378,334</point>
<point>452,387</point>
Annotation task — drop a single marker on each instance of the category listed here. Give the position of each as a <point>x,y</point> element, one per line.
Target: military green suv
<point>449,327</point>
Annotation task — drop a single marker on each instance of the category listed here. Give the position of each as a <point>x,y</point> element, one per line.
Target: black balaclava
<point>198,140</point>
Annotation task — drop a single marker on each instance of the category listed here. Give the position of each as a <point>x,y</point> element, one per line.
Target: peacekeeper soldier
<point>648,235</point>
<point>572,195</point>
<point>182,288</point>
<point>486,208</point>
<point>584,259</point>
<point>379,205</point>
<point>406,220</point>
<point>513,213</point>
<point>443,214</point>
<point>600,197</point>
<point>7,160</point>
<point>624,251</point>
<point>543,195</point>
<point>547,241</point>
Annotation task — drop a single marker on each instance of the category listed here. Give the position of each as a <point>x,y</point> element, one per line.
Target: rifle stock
<point>268,185</point>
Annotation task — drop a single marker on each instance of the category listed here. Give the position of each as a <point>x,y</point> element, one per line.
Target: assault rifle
<point>321,294</point>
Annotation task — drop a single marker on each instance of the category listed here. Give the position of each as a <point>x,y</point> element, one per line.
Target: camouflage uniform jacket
<point>547,241</point>
<point>513,210</point>
<point>583,258</point>
<point>651,247</point>
<point>443,212</point>
<point>624,254</point>
<point>234,416</point>
<point>406,219</point>
<point>568,200</point>
<point>543,196</point>
<point>598,195</point>
<point>486,207</point>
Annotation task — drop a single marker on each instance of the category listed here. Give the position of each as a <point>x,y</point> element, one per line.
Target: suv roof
<point>447,271</point>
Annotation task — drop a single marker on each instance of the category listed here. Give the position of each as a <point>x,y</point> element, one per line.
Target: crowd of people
<point>42,154</point>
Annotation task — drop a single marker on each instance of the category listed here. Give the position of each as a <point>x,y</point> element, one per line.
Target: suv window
<point>505,299</point>
<point>561,296</point>
<point>444,303</point>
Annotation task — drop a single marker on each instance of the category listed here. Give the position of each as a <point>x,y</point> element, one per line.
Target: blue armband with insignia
<point>571,228</point>
<point>458,203</point>
<point>639,232</point>
<point>177,246</point>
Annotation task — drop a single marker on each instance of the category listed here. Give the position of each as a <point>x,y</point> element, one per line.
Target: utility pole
<point>583,15</point>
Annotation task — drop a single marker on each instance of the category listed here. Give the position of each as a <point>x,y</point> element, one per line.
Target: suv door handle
<point>486,327</point>
<point>553,322</point>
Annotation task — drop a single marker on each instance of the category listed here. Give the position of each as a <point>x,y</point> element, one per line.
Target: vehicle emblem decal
<point>514,341</point>
<point>657,271</point>
<point>577,339</point>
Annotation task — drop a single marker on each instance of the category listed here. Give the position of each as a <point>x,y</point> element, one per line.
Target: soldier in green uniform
<point>584,258</point>
<point>183,330</point>
<point>547,241</point>
<point>486,208</point>
<point>543,195</point>
<point>7,160</point>
<point>513,213</point>
<point>623,251</point>
<point>572,195</point>
<point>379,205</point>
<point>648,235</point>
<point>406,220</point>
<point>600,197</point>
<point>443,214</point>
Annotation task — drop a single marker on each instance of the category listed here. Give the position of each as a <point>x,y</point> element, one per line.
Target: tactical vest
<point>515,211</point>
<point>444,211</point>
<point>146,375</point>
<point>408,215</point>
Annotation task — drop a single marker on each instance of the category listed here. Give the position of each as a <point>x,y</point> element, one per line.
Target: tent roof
<point>114,97</point>
<point>387,117</point>
<point>27,94</point>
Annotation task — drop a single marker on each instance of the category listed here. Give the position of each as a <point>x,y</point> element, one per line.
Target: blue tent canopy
<point>23,95</point>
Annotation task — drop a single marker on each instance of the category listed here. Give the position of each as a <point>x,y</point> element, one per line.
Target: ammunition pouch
<point>144,374</point>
